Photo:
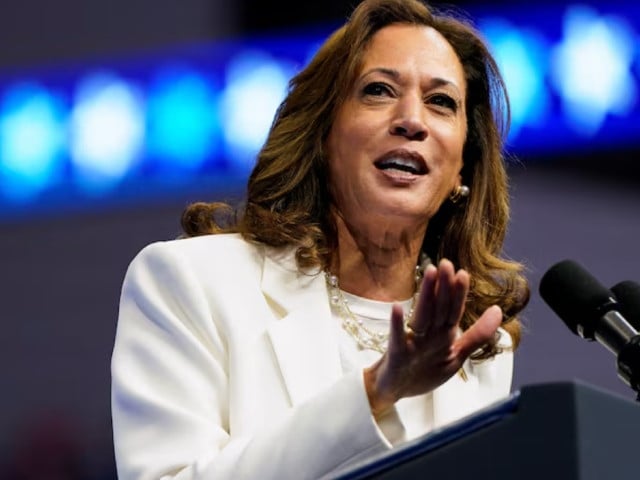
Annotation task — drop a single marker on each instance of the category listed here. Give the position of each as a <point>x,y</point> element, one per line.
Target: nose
<point>409,119</point>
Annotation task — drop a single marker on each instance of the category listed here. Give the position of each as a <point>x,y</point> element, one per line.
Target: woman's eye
<point>377,89</point>
<point>445,101</point>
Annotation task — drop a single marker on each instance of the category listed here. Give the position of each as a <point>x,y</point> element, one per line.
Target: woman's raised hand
<point>431,348</point>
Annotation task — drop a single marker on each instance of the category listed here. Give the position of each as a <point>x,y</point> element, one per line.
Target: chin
<point>404,214</point>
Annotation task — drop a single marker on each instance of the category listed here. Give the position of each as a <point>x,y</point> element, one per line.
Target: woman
<point>262,351</point>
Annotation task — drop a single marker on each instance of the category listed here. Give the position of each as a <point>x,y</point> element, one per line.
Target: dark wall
<point>40,32</point>
<point>258,15</point>
<point>37,32</point>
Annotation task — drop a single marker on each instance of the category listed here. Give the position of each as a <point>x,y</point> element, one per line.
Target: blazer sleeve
<point>170,393</point>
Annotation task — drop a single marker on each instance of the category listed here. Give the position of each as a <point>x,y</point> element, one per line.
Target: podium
<point>564,430</point>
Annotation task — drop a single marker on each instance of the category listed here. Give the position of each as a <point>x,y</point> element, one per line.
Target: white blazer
<point>226,366</point>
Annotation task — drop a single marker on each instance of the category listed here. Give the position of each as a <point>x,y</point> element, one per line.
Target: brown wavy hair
<point>288,203</point>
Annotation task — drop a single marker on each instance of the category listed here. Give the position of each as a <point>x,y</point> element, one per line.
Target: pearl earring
<point>460,192</point>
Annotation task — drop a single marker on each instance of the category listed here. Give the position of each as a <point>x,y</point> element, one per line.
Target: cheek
<point>335,140</point>
<point>453,143</point>
<point>345,146</point>
<point>451,161</point>
<point>336,164</point>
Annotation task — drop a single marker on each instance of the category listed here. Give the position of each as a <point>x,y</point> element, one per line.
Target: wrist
<point>378,403</point>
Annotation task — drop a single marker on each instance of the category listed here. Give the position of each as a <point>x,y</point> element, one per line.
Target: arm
<point>171,393</point>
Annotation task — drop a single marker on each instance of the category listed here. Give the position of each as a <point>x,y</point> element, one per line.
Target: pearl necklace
<point>365,338</point>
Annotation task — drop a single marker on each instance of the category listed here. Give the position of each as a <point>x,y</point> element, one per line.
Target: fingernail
<point>444,261</point>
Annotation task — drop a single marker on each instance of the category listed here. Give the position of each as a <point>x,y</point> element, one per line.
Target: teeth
<point>400,164</point>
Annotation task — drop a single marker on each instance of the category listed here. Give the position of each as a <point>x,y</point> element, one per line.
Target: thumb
<point>480,333</point>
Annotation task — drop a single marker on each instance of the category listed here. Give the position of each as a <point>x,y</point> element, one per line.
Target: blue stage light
<point>183,122</point>
<point>32,138</point>
<point>107,130</point>
<point>520,55</point>
<point>203,112</point>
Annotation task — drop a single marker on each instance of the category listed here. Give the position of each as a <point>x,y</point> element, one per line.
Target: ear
<point>458,181</point>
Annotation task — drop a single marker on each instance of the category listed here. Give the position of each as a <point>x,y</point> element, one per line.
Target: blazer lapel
<point>304,339</point>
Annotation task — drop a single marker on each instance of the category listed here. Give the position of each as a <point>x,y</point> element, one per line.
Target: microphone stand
<point>629,364</point>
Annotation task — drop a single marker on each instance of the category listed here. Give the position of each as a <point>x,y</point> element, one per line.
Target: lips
<point>402,161</point>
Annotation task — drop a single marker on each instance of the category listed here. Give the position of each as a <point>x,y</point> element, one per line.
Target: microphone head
<point>627,294</point>
<point>576,297</point>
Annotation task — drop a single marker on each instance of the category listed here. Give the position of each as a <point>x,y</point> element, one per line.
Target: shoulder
<point>204,244</point>
<point>218,249</point>
<point>200,258</point>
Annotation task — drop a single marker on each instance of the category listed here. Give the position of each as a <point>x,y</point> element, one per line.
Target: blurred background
<point>115,115</point>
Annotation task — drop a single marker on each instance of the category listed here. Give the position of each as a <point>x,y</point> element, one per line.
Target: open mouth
<point>402,161</point>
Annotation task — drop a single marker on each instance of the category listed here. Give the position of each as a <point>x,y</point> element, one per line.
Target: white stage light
<point>592,68</point>
<point>256,85</point>
<point>107,130</point>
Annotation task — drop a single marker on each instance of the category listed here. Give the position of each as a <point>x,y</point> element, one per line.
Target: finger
<point>425,307</point>
<point>397,335</point>
<point>459,294</point>
<point>479,334</point>
<point>444,286</point>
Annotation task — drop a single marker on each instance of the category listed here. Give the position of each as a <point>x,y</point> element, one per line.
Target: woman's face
<point>395,147</point>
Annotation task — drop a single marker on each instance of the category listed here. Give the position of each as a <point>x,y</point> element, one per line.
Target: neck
<point>379,265</point>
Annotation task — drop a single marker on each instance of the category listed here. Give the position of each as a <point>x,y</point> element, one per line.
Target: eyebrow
<point>395,74</point>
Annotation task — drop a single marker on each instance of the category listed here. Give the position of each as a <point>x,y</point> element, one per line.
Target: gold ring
<point>416,333</point>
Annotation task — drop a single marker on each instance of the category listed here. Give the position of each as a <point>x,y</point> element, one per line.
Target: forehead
<point>414,48</point>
